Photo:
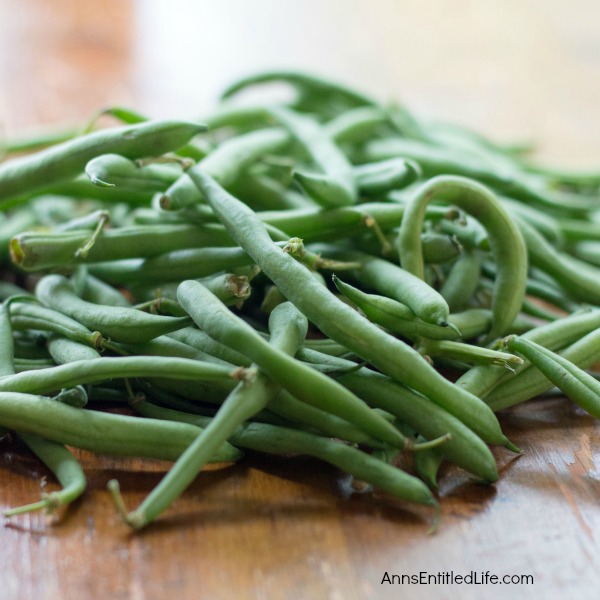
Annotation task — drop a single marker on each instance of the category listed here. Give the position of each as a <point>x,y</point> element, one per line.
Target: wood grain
<point>274,528</point>
<point>280,527</point>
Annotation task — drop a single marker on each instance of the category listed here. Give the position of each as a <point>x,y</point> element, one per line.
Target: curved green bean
<point>506,242</point>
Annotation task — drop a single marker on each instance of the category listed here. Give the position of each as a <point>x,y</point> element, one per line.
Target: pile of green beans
<point>299,278</point>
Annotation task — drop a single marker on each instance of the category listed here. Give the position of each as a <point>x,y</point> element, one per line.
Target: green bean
<point>65,468</point>
<point>114,170</point>
<point>531,382</point>
<point>308,87</point>
<point>100,432</point>
<point>264,193</point>
<point>274,439</point>
<point>580,387</point>
<point>63,350</point>
<point>97,292</point>
<point>172,266</point>
<point>37,140</point>
<point>427,465</point>
<point>471,322</point>
<point>76,396</point>
<point>340,322</point>
<point>546,224</point>
<point>462,281</point>
<point>67,160</point>
<point>393,315</point>
<point>509,181</point>
<point>167,346</point>
<point>7,345</point>
<point>468,231</point>
<point>481,380</point>
<point>15,223</point>
<point>31,364</point>
<point>357,124</point>
<point>396,283</point>
<point>225,163</point>
<point>375,179</point>
<point>34,251</point>
<point>229,288</point>
<point>27,315</point>
<point>92,371</point>
<point>80,188</point>
<point>506,242</point>
<point>304,383</point>
<point>439,248</point>
<point>317,224</point>
<point>118,323</point>
<point>285,406</point>
<point>8,289</point>
<point>335,186</point>
<point>580,279</point>
<point>288,329</point>
<point>578,230</point>
<point>588,251</point>
<point>203,342</point>
<point>464,448</point>
<point>466,353</point>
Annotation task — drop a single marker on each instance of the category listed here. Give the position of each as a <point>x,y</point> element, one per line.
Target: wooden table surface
<point>271,528</point>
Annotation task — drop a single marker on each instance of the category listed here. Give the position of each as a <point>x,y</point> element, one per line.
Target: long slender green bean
<point>100,432</point>
<point>580,387</point>
<point>339,321</point>
<point>67,160</point>
<point>65,468</point>
<point>274,439</point>
<point>116,322</point>
<point>307,385</point>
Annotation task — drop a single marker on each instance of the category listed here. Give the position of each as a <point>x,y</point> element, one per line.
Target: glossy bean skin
<point>67,160</point>
<point>63,350</point>
<point>274,439</point>
<point>580,279</point>
<point>304,383</point>
<point>335,184</point>
<point>91,371</point>
<point>288,329</point>
<point>121,324</point>
<point>36,251</point>
<point>65,468</point>
<point>574,382</point>
<point>393,315</point>
<point>462,281</point>
<point>30,315</point>
<point>464,447</point>
<point>225,164</point>
<point>99,432</point>
<point>394,282</point>
<point>172,266</point>
<point>340,322</point>
<point>525,385</point>
<point>481,380</point>
<point>506,242</point>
